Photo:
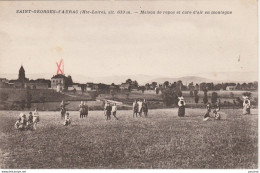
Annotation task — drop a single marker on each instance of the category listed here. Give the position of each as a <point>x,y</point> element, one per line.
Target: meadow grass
<point>163,140</point>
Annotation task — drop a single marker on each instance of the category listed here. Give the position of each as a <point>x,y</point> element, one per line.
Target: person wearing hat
<point>246,105</point>
<point>181,104</point>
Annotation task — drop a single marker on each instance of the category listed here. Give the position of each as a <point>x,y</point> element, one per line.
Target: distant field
<point>163,140</point>
<point>48,94</point>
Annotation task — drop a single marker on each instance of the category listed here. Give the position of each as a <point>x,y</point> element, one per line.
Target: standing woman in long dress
<point>140,107</point>
<point>36,118</point>
<point>135,109</point>
<point>181,104</point>
<point>85,109</point>
<point>63,110</point>
<point>81,109</point>
<point>246,105</point>
<point>145,108</point>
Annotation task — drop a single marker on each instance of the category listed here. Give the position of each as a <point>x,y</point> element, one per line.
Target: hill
<point>185,80</point>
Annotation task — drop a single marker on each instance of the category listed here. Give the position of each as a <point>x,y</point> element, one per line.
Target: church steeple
<point>21,76</point>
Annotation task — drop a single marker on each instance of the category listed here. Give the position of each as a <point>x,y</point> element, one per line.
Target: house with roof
<point>3,83</point>
<point>58,82</point>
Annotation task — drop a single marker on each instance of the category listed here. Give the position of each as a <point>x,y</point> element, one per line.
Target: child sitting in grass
<point>67,120</point>
<point>216,112</point>
<point>21,123</point>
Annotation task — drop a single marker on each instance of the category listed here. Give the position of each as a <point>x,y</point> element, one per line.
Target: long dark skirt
<point>145,110</point>
<point>83,112</point>
<point>63,112</point>
<point>181,111</point>
<point>248,110</point>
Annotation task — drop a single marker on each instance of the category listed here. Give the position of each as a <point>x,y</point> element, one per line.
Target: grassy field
<point>163,140</point>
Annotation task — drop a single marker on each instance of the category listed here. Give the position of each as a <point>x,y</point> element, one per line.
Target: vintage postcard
<point>122,84</point>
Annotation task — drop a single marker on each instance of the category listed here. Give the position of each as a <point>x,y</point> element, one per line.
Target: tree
<point>142,88</point>
<point>191,93</point>
<point>135,84</point>
<point>154,85</point>
<point>248,94</point>
<point>94,95</point>
<point>196,99</point>
<point>127,95</point>
<point>205,98</point>
<point>82,89</point>
<point>170,96</point>
<point>129,81</point>
<point>195,92</point>
<point>238,86</point>
<point>179,85</point>
<point>147,86</point>
<point>240,102</point>
<point>166,84</point>
<point>214,97</point>
<point>112,93</point>
<point>69,80</point>
<point>218,87</point>
<point>191,86</point>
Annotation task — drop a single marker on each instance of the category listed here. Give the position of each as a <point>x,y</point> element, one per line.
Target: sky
<point>104,45</point>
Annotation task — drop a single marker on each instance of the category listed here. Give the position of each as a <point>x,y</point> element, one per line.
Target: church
<point>20,82</point>
<point>23,82</point>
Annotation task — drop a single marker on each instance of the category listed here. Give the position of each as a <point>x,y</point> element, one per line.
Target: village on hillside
<point>27,93</point>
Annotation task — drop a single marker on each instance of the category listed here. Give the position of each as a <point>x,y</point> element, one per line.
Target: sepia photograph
<point>122,84</point>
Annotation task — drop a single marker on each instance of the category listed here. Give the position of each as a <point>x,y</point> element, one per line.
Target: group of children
<point>83,110</point>
<point>140,106</point>
<point>216,111</point>
<point>108,110</point>
<point>30,123</point>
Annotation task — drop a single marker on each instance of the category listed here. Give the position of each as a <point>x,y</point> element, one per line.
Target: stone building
<point>58,82</point>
